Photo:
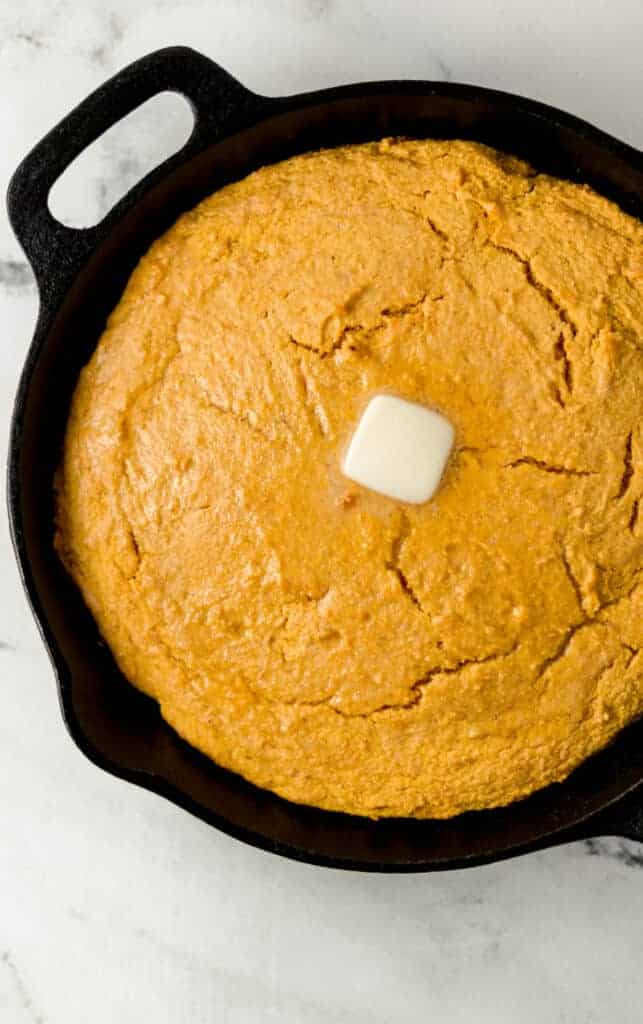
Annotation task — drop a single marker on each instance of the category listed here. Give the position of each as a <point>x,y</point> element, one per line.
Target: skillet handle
<point>220,104</point>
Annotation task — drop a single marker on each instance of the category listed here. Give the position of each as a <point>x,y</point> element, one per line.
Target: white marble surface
<point>118,907</point>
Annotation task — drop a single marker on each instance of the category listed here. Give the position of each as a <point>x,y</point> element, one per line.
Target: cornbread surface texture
<point>322,641</point>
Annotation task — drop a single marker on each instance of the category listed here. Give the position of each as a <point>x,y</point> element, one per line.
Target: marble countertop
<point>116,906</point>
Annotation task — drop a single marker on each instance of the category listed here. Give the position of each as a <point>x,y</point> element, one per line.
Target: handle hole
<point>125,153</point>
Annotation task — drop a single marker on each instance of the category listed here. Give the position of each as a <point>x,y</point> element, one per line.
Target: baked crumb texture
<point>323,642</point>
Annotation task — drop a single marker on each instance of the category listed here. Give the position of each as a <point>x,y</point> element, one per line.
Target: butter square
<point>399,449</point>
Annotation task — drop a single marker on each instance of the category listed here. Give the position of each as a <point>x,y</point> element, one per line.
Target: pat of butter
<point>399,449</point>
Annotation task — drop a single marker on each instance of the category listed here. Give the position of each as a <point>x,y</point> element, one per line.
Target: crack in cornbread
<point>323,641</point>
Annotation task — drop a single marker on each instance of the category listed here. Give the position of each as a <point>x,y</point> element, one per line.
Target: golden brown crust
<point>324,642</point>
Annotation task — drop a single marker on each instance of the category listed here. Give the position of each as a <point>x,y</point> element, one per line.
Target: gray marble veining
<point>15,274</point>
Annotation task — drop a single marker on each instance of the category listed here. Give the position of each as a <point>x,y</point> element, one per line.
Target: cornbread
<point>328,643</point>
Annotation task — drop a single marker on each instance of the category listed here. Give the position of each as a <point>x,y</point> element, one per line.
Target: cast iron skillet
<point>81,274</point>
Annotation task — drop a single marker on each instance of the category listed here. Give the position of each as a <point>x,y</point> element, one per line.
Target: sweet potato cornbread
<point>325,642</point>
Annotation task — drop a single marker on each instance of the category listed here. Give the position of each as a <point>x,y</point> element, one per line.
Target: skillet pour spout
<point>80,276</point>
